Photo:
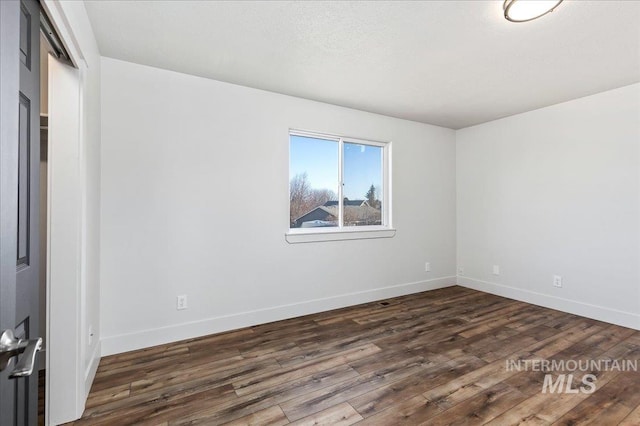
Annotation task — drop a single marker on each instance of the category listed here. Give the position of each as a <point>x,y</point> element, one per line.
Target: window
<point>337,185</point>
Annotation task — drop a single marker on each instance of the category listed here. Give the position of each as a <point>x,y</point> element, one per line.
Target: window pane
<point>362,189</point>
<point>313,182</point>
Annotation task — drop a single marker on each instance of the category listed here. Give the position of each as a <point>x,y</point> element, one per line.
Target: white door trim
<point>69,377</point>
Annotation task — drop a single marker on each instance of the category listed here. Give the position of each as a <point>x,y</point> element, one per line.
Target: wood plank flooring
<point>434,358</point>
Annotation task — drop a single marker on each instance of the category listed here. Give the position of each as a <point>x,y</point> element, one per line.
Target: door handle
<point>11,346</point>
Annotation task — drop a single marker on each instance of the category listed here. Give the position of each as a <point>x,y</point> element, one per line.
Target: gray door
<point>19,196</point>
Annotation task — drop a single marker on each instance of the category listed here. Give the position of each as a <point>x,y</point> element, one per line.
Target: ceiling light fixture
<point>528,10</point>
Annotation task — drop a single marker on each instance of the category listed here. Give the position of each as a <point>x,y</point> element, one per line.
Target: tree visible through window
<point>336,182</point>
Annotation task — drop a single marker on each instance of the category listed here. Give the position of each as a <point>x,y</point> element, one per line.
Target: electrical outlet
<point>427,267</point>
<point>181,302</point>
<point>496,270</point>
<point>460,271</point>
<point>557,281</point>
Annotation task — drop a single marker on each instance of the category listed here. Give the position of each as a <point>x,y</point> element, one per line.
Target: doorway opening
<point>44,146</point>
<point>51,49</point>
<point>26,284</point>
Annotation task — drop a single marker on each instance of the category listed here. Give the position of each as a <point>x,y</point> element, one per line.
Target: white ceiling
<point>449,63</point>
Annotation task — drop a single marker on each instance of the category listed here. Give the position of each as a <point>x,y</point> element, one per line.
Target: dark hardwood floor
<point>435,358</point>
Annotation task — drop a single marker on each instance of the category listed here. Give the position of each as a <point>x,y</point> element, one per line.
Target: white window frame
<point>385,230</point>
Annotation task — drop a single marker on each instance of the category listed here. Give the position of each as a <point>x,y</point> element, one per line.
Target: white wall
<point>44,76</point>
<point>195,202</point>
<point>555,191</point>
<point>74,215</point>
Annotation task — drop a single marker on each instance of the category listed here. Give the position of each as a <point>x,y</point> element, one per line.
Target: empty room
<point>320,212</point>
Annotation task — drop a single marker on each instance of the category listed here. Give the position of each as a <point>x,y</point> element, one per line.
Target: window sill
<point>299,236</point>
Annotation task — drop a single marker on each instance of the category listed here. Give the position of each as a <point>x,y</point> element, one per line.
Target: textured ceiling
<point>448,63</point>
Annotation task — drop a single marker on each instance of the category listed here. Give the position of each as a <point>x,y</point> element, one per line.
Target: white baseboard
<point>147,338</point>
<point>600,313</point>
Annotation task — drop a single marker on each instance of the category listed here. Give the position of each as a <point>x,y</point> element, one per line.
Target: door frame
<point>70,368</point>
